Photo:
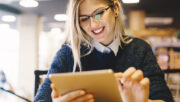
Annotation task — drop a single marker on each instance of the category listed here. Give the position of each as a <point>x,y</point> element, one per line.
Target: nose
<point>94,23</point>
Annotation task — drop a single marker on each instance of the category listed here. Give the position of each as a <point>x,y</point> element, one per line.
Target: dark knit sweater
<point>137,54</point>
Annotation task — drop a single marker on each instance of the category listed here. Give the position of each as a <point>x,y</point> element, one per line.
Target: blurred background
<point>31,31</point>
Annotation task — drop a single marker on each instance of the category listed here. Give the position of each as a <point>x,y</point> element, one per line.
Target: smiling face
<point>97,19</point>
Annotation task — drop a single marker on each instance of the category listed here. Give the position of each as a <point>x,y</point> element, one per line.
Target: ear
<point>116,7</point>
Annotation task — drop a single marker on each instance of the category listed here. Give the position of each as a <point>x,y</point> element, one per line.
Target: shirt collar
<point>114,46</point>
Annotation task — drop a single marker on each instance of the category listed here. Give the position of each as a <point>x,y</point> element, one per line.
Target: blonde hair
<point>76,36</point>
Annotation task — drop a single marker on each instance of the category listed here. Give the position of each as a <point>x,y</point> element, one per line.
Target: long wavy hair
<point>76,36</point>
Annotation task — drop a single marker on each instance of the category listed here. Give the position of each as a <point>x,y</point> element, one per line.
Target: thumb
<point>120,85</point>
<point>118,75</point>
<point>54,93</point>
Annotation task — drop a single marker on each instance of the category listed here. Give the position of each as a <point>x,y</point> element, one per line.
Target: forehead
<point>88,6</point>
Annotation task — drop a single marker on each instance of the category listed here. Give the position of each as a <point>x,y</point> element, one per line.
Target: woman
<point>97,41</point>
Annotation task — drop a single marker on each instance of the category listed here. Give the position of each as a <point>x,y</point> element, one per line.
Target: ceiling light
<point>60,17</point>
<point>130,1</point>
<point>55,30</point>
<point>8,18</point>
<point>28,3</point>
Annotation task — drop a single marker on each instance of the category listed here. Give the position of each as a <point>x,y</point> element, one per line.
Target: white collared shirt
<point>114,46</point>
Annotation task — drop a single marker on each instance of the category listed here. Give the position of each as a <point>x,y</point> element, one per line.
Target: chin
<point>100,40</point>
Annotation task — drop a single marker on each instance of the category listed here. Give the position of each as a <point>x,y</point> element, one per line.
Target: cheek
<point>109,25</point>
<point>112,24</point>
<point>109,22</point>
<point>85,28</point>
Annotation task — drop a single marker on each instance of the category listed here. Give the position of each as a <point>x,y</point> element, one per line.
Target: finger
<point>137,76</point>
<point>54,93</point>
<point>86,97</point>
<point>145,83</point>
<point>118,75</point>
<point>127,74</point>
<point>91,100</point>
<point>72,95</point>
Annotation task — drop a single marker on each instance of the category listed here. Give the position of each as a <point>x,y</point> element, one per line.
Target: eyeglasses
<point>97,15</point>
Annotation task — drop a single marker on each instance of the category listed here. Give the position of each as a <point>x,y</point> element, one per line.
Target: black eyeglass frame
<point>93,15</point>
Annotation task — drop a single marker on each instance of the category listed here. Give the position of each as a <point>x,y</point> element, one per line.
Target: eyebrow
<point>92,13</point>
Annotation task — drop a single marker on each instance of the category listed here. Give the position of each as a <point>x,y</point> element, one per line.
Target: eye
<point>84,19</point>
<point>100,12</point>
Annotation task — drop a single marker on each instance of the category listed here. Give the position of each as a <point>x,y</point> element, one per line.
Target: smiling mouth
<point>98,31</point>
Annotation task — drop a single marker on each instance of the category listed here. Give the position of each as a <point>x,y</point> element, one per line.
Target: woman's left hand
<point>133,86</point>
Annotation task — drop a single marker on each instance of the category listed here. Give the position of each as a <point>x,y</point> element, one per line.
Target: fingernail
<point>82,92</point>
<point>92,100</point>
<point>121,83</point>
<point>90,96</point>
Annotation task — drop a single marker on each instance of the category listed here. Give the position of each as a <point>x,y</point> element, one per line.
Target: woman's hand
<point>73,96</point>
<point>133,86</point>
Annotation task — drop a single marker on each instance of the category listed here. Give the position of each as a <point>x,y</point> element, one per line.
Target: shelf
<point>172,71</point>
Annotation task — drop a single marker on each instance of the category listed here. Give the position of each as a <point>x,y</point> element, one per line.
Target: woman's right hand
<point>133,86</point>
<point>73,96</point>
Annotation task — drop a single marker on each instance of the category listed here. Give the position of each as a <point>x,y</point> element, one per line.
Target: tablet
<point>100,82</point>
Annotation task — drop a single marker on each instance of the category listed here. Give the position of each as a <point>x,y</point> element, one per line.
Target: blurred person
<point>96,40</point>
<point>4,83</point>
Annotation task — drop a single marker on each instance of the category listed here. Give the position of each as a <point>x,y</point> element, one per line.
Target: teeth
<point>97,31</point>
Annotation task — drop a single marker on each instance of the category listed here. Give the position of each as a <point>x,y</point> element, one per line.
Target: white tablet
<point>100,82</point>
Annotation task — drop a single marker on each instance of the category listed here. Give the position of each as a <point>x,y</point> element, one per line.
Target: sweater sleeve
<point>58,65</point>
<point>158,87</point>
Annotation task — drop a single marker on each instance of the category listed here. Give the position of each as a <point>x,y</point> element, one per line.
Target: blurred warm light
<point>158,20</point>
<point>8,18</point>
<point>28,3</point>
<point>60,17</point>
<point>130,1</point>
<point>55,30</point>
